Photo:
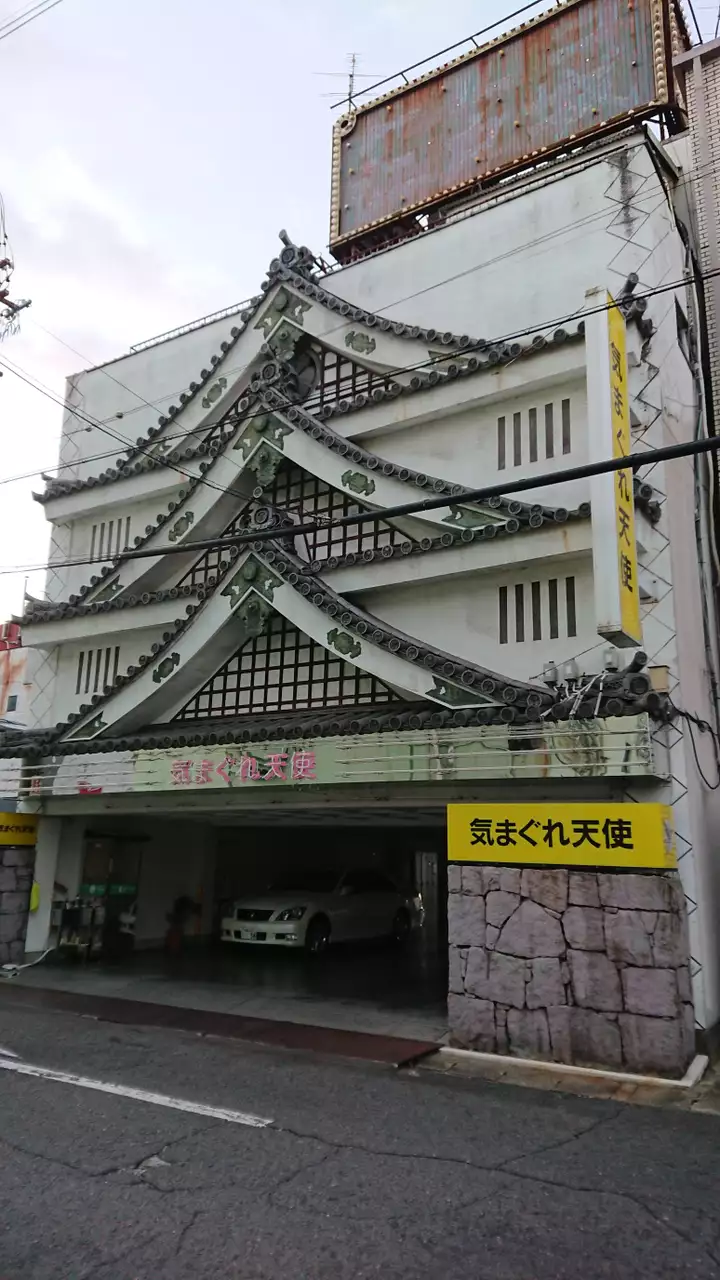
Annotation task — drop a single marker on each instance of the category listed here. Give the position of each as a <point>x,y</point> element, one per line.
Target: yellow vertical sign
<point>624,500</point>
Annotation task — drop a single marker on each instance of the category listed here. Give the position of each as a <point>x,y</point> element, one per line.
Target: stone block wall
<point>582,967</point>
<point>16,876</point>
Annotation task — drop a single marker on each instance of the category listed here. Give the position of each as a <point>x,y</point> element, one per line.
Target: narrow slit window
<point>81,662</point>
<point>570,605</point>
<point>127,533</point>
<point>553,607</point>
<point>566,442</point>
<point>517,439</point>
<point>101,542</point>
<point>501,444</point>
<point>111,526</point>
<point>98,660</point>
<point>88,670</point>
<point>533,437</point>
<point>503,614</point>
<point>549,431</point>
<point>520,613</point>
<point>536,611</point>
<point>118,537</point>
<point>106,669</point>
<point>116,661</point>
<point>93,536</point>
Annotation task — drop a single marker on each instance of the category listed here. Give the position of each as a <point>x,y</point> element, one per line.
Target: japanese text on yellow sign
<point>572,835</point>
<point>624,502</point>
<point>18,828</point>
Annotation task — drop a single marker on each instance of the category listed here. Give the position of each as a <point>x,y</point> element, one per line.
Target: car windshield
<point>306,882</point>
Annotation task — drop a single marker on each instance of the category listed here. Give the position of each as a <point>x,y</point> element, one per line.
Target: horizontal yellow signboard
<point>18,828</point>
<point>563,835</point>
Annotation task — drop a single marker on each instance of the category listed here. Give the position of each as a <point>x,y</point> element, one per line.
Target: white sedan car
<point>314,909</point>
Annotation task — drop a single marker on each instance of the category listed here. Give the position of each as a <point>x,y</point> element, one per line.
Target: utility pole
<point>9,310</point>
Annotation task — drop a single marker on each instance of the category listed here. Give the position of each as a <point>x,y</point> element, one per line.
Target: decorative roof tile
<point>39,612</point>
<point>328,722</point>
<point>298,726</point>
<point>297,266</point>
<point>307,422</point>
<point>491,355</point>
<point>502,529</point>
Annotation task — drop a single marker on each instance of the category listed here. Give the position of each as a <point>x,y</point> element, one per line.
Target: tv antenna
<point>352,75</point>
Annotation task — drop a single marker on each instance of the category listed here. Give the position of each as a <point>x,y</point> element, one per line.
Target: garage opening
<point>335,920</point>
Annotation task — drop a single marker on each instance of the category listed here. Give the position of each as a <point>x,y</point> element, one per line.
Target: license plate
<point>248,935</point>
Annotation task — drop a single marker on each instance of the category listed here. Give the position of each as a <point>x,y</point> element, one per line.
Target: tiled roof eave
<point>61,611</point>
<point>508,528</point>
<point>446,541</point>
<point>297,267</point>
<point>526,519</point>
<point>518,702</point>
<point>492,355</point>
<point>441,664</point>
<point>316,724</point>
<point>294,262</point>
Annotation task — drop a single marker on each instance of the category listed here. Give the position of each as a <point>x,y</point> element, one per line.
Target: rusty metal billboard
<point>584,66</point>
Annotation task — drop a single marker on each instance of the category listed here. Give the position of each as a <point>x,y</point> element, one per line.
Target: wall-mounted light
<point>611,658</point>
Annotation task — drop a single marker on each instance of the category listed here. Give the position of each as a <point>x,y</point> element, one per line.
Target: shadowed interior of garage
<point>372,986</point>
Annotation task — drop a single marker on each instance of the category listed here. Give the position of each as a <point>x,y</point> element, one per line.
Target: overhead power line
<point>697,24</point>
<point>632,462</point>
<point>25,16</point>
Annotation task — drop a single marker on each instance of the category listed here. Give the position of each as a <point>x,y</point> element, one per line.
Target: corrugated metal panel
<point>583,65</point>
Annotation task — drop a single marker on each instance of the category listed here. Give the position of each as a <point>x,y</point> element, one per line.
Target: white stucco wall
<point>87,536</point>
<point>65,696</point>
<point>463,447</point>
<point>139,386</point>
<point>462,616</point>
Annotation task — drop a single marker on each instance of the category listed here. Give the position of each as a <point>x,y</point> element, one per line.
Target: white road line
<point>7,1053</point>
<point>138,1095</point>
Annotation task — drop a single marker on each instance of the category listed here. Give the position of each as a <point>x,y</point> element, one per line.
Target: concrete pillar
<point>46,858</point>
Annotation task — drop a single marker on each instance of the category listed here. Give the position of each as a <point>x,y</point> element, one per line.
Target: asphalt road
<point>362,1172</point>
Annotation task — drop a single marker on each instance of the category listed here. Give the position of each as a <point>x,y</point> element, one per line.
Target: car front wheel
<point>317,937</point>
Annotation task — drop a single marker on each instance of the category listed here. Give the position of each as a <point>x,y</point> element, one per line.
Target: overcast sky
<point>152,150</point>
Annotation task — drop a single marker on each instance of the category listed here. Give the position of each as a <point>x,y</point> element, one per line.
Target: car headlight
<point>291,913</point>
